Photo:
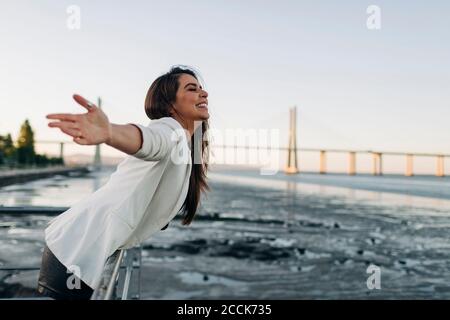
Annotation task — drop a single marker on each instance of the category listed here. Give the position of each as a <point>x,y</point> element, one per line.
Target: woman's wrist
<point>109,137</point>
<point>126,138</point>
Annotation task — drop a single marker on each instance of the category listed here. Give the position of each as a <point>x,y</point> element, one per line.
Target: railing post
<point>128,271</point>
<point>374,169</point>
<point>105,289</point>
<point>377,164</point>
<point>409,165</point>
<point>352,163</point>
<point>380,164</point>
<point>323,162</point>
<point>440,166</point>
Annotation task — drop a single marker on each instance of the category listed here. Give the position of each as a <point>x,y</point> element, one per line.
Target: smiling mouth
<point>202,106</point>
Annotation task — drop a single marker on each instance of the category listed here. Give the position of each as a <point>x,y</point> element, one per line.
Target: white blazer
<point>142,196</point>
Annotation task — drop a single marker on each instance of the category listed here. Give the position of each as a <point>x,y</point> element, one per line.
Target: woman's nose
<point>204,94</point>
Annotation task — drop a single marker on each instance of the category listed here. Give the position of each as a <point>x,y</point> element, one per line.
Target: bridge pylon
<point>292,165</point>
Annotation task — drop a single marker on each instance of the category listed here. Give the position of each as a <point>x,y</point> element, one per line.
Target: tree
<point>24,153</point>
<point>25,144</point>
<point>7,149</point>
<point>2,153</point>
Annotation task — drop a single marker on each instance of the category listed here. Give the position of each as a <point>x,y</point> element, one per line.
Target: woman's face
<point>191,101</point>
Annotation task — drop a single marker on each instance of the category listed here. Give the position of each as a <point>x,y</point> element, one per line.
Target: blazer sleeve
<point>157,141</point>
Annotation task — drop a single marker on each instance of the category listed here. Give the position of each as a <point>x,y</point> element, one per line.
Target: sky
<point>354,87</point>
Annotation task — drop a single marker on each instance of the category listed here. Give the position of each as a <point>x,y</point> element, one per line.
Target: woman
<point>164,173</point>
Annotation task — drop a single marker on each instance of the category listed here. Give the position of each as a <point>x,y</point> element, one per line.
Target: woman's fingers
<point>71,132</point>
<point>63,116</point>
<point>83,102</point>
<point>92,123</point>
<point>66,127</point>
<point>65,124</point>
<point>80,140</point>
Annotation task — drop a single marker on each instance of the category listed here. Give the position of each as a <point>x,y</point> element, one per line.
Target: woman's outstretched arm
<point>93,128</point>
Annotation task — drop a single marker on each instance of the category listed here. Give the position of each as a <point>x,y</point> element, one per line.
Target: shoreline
<point>25,175</point>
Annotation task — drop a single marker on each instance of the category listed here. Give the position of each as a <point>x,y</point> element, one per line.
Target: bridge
<point>292,150</point>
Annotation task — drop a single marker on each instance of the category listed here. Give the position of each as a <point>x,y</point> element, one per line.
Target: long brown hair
<point>158,103</point>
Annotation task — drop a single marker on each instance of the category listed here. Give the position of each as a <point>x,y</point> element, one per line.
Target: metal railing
<point>121,265</point>
<point>126,260</point>
<point>117,274</point>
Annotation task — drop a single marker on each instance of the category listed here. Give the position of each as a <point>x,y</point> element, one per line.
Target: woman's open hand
<point>88,128</point>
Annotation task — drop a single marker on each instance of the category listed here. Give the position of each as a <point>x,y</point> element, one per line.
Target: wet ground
<point>268,239</point>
